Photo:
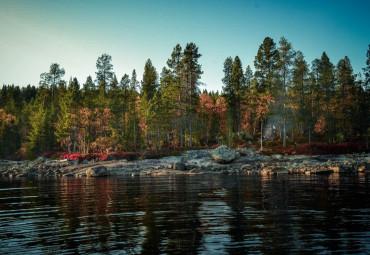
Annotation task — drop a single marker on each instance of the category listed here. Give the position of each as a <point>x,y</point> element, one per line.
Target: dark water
<point>186,215</point>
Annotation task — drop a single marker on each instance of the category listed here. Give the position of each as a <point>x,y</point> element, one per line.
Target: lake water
<point>186,215</point>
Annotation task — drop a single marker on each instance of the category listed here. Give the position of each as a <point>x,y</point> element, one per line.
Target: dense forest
<point>285,99</point>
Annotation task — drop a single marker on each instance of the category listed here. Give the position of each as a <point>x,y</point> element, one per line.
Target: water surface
<point>186,215</point>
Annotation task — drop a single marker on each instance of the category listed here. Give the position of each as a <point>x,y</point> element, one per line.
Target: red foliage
<point>326,148</point>
<point>101,156</point>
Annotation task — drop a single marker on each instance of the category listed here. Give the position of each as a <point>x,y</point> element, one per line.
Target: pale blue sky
<point>74,33</point>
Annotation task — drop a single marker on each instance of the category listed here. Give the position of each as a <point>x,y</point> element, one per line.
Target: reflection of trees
<point>240,226</point>
<point>171,218</point>
<point>43,204</point>
<point>125,217</point>
<point>278,234</point>
<point>188,215</point>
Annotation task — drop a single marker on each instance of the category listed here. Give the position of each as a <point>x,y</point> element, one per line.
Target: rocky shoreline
<point>222,160</point>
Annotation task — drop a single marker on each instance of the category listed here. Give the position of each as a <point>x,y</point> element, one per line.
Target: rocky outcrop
<point>97,171</point>
<point>224,160</point>
<point>224,154</point>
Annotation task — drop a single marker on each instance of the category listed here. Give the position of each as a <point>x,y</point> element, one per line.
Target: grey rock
<point>196,154</point>
<point>97,171</point>
<point>41,159</point>
<point>224,154</point>
<point>277,156</point>
<point>179,166</point>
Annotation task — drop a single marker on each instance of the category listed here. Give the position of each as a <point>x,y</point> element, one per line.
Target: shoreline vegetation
<point>283,103</point>
<point>221,160</point>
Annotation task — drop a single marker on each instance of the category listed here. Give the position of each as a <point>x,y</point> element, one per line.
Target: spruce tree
<point>89,93</point>
<point>300,93</point>
<point>149,83</point>
<point>248,77</point>
<point>327,83</point>
<point>346,101</point>
<point>367,70</point>
<point>238,86</point>
<point>229,94</point>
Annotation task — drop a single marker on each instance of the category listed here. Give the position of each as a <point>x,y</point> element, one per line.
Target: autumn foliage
<point>284,99</point>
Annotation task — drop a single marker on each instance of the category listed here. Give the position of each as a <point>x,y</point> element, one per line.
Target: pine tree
<point>286,55</point>
<point>52,79</point>
<point>175,79</point>
<point>191,73</point>
<point>104,75</point>
<point>265,64</point>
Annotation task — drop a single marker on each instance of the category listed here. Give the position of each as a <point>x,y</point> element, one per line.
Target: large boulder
<point>97,171</point>
<point>224,154</point>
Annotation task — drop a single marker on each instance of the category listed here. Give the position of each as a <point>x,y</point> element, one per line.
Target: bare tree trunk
<point>239,120</point>
<point>159,138</point>
<point>229,134</point>
<point>284,133</point>
<point>190,133</point>
<point>168,140</point>
<point>135,136</point>
<point>261,135</point>
<point>181,134</point>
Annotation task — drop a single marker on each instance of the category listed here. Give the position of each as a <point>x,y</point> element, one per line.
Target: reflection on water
<point>187,215</point>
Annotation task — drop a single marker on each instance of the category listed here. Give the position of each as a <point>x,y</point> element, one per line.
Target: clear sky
<point>74,33</point>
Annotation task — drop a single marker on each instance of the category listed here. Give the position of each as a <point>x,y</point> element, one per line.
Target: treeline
<point>284,98</point>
